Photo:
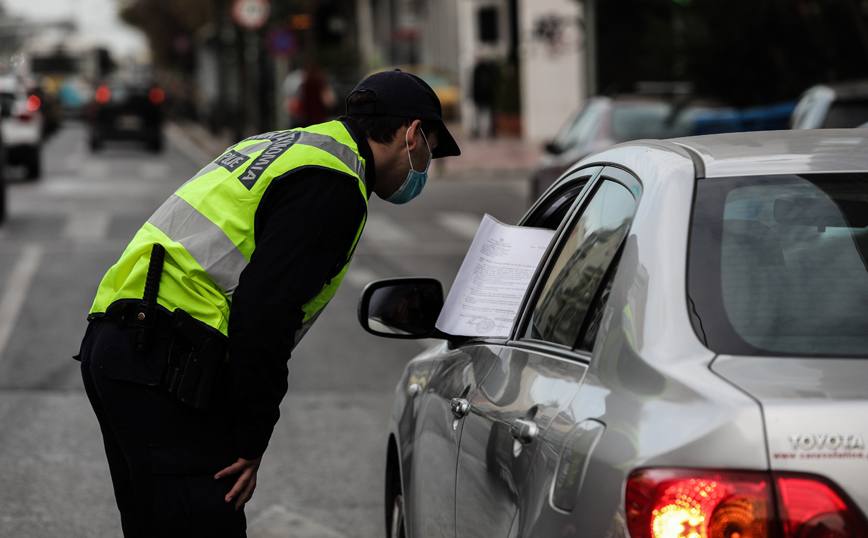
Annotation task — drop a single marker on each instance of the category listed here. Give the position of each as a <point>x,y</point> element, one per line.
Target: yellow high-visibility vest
<point>206,226</point>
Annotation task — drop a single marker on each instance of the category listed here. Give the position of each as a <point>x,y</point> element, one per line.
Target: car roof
<point>778,152</point>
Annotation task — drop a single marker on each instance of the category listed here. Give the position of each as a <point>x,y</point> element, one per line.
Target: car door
<point>429,504</point>
<point>516,411</point>
<point>449,389</point>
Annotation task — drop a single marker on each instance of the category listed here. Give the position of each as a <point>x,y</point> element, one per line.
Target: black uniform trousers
<point>162,455</point>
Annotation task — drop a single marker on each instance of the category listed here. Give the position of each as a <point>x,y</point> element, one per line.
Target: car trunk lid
<point>815,412</point>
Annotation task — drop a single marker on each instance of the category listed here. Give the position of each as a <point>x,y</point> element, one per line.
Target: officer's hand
<point>242,491</point>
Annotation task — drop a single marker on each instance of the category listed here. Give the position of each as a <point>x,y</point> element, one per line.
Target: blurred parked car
<point>689,359</point>
<point>830,106</point>
<point>604,121</point>
<point>123,110</point>
<point>21,126</point>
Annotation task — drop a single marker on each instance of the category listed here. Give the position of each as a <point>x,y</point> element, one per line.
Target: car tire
<point>2,196</point>
<point>95,144</point>
<point>33,163</point>
<point>156,145</point>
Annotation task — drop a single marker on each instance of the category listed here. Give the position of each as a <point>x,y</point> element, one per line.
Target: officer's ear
<point>413,137</point>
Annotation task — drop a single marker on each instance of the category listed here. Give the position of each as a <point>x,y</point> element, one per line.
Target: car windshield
<point>632,121</point>
<point>580,128</point>
<point>779,265</point>
<point>125,92</point>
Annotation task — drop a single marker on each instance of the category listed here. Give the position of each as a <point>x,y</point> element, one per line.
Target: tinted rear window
<point>777,265</point>
<point>650,120</point>
<point>844,114</point>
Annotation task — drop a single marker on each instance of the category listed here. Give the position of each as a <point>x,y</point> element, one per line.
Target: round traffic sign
<point>250,14</point>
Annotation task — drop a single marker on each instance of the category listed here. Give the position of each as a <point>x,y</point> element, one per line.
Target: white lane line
<point>92,225</point>
<point>192,150</point>
<point>154,170</point>
<point>461,224</point>
<point>94,170</point>
<point>16,291</point>
<point>277,521</point>
<point>381,228</point>
<point>359,277</point>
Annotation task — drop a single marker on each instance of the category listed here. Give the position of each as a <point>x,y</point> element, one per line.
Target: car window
<point>585,256</point>
<point>550,211</point>
<point>844,114</point>
<point>631,121</point>
<point>779,265</point>
<point>577,132</point>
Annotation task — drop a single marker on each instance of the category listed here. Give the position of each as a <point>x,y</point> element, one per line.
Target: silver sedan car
<point>690,359</point>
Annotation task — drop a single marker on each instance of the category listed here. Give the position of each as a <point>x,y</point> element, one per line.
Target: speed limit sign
<point>250,14</point>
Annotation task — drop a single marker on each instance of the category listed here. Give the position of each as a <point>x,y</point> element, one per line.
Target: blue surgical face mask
<point>415,181</point>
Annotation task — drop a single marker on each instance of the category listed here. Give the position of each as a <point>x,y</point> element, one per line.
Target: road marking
<point>193,151</point>
<point>91,225</point>
<point>16,291</point>
<point>359,277</point>
<point>381,228</point>
<point>278,522</point>
<point>462,224</point>
<point>154,170</point>
<point>94,170</point>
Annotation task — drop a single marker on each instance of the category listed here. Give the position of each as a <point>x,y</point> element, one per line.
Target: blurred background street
<point>106,107</point>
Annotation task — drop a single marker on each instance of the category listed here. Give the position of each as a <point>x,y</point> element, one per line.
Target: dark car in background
<point>832,106</point>
<point>126,110</point>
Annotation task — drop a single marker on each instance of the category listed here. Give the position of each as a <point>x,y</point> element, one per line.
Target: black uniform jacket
<point>304,228</point>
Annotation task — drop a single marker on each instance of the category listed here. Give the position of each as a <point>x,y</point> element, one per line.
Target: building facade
<point>540,46</point>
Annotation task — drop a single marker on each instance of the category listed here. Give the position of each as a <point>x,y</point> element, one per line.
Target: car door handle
<point>460,407</point>
<point>524,431</point>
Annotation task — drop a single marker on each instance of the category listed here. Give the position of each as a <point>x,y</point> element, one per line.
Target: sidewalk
<point>482,158</point>
<point>488,158</point>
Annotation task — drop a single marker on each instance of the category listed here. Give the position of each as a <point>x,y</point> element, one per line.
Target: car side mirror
<point>553,147</point>
<point>401,307</point>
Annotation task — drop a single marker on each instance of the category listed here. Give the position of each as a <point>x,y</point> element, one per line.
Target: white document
<point>489,287</point>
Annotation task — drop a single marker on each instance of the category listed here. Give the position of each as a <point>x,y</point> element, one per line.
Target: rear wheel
<point>95,142</point>
<point>2,183</point>
<point>33,163</point>
<point>2,196</point>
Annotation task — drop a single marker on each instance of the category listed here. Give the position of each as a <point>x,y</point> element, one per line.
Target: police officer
<point>184,359</point>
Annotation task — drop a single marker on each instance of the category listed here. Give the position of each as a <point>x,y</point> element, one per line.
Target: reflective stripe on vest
<point>203,239</point>
<point>208,248</point>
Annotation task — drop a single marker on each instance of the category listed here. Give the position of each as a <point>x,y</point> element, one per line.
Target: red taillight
<point>690,503</point>
<point>812,508</point>
<point>156,95</point>
<point>676,503</point>
<point>103,94</point>
<point>33,103</point>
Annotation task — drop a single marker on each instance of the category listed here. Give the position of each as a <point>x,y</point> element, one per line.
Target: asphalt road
<point>322,476</point>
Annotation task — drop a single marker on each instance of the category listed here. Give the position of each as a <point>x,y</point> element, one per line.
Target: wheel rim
<point>398,530</point>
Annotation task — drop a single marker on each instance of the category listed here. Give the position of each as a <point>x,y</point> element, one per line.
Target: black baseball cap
<point>408,96</point>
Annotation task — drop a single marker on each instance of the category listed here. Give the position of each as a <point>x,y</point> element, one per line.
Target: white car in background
<point>21,126</point>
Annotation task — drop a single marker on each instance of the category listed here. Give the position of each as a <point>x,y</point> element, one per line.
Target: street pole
<point>590,16</point>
